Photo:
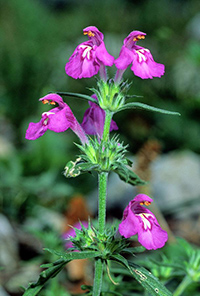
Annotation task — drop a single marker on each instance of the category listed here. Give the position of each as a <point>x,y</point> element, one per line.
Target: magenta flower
<point>143,64</point>
<point>72,233</point>
<point>93,120</point>
<point>58,119</point>
<point>139,220</point>
<point>89,57</point>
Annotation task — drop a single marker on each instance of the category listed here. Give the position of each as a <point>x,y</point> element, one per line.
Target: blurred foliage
<point>177,266</point>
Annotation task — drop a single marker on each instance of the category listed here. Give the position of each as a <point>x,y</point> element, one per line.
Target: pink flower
<point>58,119</point>
<point>94,118</point>
<point>139,220</point>
<point>89,57</point>
<point>143,64</point>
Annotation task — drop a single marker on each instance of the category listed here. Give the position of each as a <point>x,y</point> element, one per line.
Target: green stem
<point>183,285</point>
<point>107,124</point>
<point>98,275</point>
<point>103,177</point>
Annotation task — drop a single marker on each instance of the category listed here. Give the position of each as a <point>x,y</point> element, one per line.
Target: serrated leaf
<point>75,255</point>
<point>142,106</point>
<point>148,281</point>
<point>44,276</point>
<point>76,95</point>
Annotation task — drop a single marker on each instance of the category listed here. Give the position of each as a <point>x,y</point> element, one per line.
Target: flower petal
<point>125,58</point>
<point>74,67</point>
<point>55,98</point>
<point>153,238</point>
<point>129,226</point>
<point>60,121</point>
<point>36,130</point>
<point>144,65</point>
<point>93,120</point>
<point>89,68</point>
<point>104,56</point>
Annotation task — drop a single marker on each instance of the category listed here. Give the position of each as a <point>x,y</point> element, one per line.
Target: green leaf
<point>87,167</point>
<point>134,250</point>
<point>143,276</point>
<point>128,176</point>
<point>76,95</point>
<point>120,259</point>
<point>75,255</point>
<point>45,275</point>
<point>148,281</point>
<point>146,107</point>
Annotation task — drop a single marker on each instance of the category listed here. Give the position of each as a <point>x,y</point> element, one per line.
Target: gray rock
<point>176,179</point>
<point>8,245</point>
<point>3,292</point>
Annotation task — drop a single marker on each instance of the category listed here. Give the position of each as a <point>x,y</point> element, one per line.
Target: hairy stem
<point>183,285</point>
<point>102,188</point>
<point>107,124</point>
<point>98,275</point>
<point>103,177</point>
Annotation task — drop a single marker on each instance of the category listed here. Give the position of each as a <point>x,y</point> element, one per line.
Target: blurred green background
<point>37,38</point>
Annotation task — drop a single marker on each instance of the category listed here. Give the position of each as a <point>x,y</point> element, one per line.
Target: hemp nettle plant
<point>107,246</point>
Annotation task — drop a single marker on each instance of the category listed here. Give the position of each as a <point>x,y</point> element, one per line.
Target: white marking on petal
<point>86,51</point>
<point>45,122</point>
<point>145,220</point>
<point>141,54</point>
<point>47,113</point>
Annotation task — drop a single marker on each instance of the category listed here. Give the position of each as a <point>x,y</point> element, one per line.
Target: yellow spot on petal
<point>138,37</point>
<point>89,33</point>
<point>45,102</point>
<point>141,37</point>
<point>146,203</point>
<point>48,102</point>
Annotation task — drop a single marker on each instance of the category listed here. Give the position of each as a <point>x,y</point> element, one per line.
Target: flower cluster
<point>89,59</point>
